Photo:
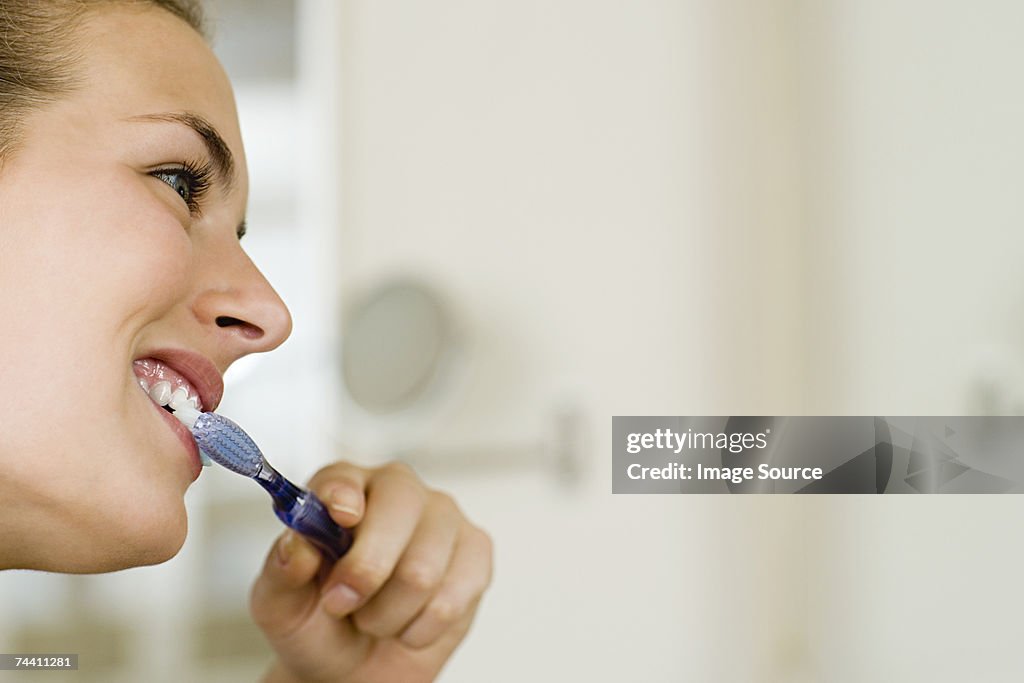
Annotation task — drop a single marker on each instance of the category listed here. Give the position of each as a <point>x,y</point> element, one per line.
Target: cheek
<point>109,247</point>
<point>91,269</point>
<point>144,253</point>
<point>90,257</point>
<point>90,266</point>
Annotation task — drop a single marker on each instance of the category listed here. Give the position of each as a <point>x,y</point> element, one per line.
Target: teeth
<point>174,392</point>
<point>179,399</point>
<point>161,392</point>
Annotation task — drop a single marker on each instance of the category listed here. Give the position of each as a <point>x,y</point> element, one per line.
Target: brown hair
<point>38,57</point>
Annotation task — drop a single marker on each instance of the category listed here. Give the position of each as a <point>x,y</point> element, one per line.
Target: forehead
<point>140,61</point>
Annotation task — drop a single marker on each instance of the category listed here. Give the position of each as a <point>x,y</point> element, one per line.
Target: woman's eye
<point>189,181</point>
<point>179,182</point>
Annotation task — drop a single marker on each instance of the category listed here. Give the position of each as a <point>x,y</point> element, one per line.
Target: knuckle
<point>414,491</point>
<point>417,641</point>
<point>344,471</point>
<point>259,615</point>
<point>443,611</point>
<point>340,480</point>
<point>419,575</point>
<point>370,624</point>
<point>399,479</point>
<point>400,468</point>
<point>366,574</point>
<point>444,502</point>
<point>420,635</point>
<point>487,559</point>
<point>482,540</point>
<point>486,542</point>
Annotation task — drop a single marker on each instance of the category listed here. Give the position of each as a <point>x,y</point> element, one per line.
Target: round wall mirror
<point>394,340</point>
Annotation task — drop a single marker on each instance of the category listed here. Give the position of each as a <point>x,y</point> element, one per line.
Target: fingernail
<point>286,547</point>
<point>343,500</point>
<point>340,600</point>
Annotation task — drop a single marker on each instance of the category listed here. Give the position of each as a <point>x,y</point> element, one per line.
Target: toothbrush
<point>229,446</point>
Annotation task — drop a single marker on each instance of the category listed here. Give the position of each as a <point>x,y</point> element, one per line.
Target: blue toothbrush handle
<point>309,517</point>
<point>301,510</point>
<point>227,444</point>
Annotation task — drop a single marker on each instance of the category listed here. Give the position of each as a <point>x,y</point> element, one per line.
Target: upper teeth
<point>179,399</point>
<point>162,394</point>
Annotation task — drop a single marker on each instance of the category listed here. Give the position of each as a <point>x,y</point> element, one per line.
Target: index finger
<point>341,487</point>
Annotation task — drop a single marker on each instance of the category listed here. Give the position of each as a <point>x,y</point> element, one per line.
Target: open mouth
<point>171,388</point>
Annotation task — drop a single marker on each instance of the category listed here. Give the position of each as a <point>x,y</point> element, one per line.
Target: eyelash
<point>197,178</point>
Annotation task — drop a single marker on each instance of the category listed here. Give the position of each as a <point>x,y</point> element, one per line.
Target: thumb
<point>282,593</point>
<point>309,643</point>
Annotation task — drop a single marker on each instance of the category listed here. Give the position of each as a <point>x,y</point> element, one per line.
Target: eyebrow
<point>223,160</point>
<point>220,153</point>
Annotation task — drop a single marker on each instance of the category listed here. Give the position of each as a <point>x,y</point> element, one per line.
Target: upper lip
<point>197,369</point>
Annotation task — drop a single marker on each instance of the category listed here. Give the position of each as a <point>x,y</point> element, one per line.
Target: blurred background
<point>499,223</point>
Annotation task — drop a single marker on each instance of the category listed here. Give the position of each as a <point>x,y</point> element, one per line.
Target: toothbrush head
<point>224,442</point>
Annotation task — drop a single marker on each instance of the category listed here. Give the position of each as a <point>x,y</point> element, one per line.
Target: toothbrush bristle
<point>227,444</point>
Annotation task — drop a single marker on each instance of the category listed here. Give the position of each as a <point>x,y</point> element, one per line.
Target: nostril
<point>246,329</point>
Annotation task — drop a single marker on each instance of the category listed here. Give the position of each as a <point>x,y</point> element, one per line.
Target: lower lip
<point>186,439</point>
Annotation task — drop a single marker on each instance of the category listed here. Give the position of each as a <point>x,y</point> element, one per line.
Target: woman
<point>122,200</point>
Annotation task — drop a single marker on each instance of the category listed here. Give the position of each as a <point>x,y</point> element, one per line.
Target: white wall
<point>914,234</point>
<point>605,192</point>
<point>914,196</point>
<point>699,208</point>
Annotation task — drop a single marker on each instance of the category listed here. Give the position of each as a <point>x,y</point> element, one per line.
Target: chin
<point>159,546</point>
<point>131,540</point>
<point>153,539</point>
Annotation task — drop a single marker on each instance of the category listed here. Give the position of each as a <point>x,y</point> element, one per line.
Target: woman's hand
<point>396,606</point>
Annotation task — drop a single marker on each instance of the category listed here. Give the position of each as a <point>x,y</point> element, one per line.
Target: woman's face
<point>118,259</point>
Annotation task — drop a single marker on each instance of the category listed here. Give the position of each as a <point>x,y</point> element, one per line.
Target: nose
<point>238,306</point>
